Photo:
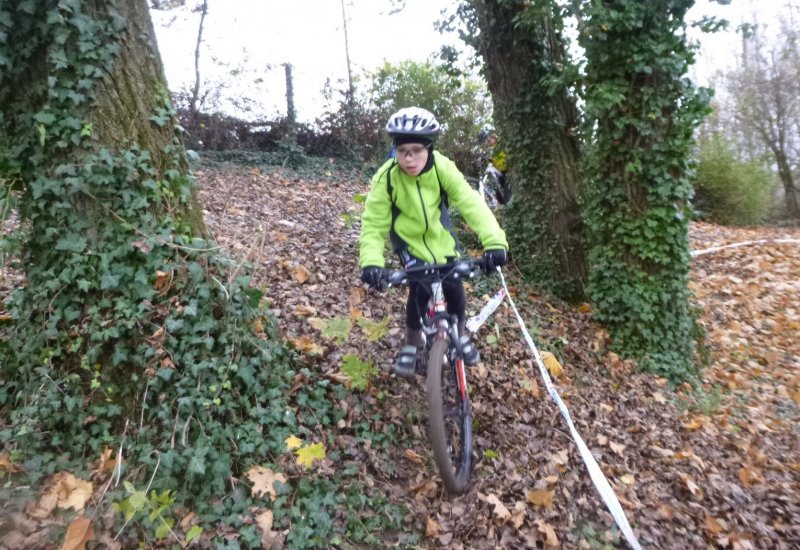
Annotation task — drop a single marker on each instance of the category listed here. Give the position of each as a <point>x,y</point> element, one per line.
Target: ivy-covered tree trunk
<point>525,65</point>
<point>642,112</point>
<point>129,328</point>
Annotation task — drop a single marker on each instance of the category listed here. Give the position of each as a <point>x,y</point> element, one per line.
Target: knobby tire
<point>449,420</point>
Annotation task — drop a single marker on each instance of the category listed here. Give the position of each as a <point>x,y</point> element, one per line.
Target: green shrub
<point>729,190</point>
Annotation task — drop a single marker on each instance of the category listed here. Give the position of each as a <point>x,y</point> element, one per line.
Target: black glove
<point>373,276</point>
<point>493,259</point>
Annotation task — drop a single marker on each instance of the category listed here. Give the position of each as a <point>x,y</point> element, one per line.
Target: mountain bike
<point>493,186</point>
<point>442,361</point>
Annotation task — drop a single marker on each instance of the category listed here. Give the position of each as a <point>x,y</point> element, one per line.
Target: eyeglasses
<point>412,152</point>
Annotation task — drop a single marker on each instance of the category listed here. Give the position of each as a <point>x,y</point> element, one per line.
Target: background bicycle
<point>493,186</point>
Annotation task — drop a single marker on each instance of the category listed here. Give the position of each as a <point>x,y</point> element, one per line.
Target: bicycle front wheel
<point>449,418</point>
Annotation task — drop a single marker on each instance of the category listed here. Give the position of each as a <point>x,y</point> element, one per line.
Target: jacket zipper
<point>425,214</point>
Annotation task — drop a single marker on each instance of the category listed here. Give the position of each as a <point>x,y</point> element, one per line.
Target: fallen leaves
<point>541,498</point>
<point>7,465</point>
<point>64,491</point>
<point>263,480</point>
<point>301,274</point>
<point>553,366</point>
<point>413,456</point>
<point>691,486</point>
<point>79,532</point>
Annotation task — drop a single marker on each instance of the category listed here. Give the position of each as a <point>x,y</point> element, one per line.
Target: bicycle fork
<point>448,324</point>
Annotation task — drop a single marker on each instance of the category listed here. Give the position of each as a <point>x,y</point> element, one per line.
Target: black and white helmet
<point>413,121</point>
<point>485,132</point>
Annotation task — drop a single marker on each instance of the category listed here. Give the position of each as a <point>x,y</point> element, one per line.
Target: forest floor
<point>715,464</point>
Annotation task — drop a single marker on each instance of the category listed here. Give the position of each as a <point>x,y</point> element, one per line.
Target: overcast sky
<point>256,37</point>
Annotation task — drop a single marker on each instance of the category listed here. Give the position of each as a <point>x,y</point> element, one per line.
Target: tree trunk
<point>291,114</point>
<point>196,90</point>
<point>641,115</point>
<point>789,189</point>
<point>129,325</point>
<point>537,128</point>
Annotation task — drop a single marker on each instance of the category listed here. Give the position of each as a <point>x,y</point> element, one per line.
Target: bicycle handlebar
<point>468,268</point>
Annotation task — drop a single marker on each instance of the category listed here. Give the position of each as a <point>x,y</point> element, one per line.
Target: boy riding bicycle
<point>408,200</point>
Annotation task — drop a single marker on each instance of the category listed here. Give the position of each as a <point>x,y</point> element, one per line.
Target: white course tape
<point>474,323</point>
<point>745,243</point>
<point>599,480</point>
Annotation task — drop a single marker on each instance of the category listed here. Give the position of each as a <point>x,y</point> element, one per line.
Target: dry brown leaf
<point>413,456</point>
<point>79,532</point>
<point>694,424</point>
<point>64,491</point>
<point>552,364</point>
<point>627,479</point>
<point>518,515</point>
<point>263,480</point>
<point>665,511</point>
<point>425,489</point>
<point>750,476</point>
<point>658,398</point>
<point>500,509</point>
<point>712,526</point>
<point>105,464</point>
<point>618,448</point>
<point>548,533</point>
<point>264,521</point>
<point>357,295</point>
<point>541,497</point>
<point>301,274</point>
<point>693,488</point>
<point>304,310</point>
<point>307,345</point>
<point>355,314</point>
<point>7,465</point>
<point>432,529</point>
<point>561,458</point>
<point>162,281</point>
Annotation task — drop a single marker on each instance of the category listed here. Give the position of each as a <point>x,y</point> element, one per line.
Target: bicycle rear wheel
<point>449,418</point>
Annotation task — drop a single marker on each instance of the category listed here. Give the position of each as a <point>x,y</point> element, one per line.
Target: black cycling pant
<point>418,295</point>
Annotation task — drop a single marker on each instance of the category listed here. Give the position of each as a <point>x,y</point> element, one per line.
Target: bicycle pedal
<point>406,363</point>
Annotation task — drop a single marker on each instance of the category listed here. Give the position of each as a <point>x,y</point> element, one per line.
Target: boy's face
<point>492,141</point>
<point>412,157</point>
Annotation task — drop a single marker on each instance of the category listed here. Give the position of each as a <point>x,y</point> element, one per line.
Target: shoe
<point>469,351</point>
<point>407,362</point>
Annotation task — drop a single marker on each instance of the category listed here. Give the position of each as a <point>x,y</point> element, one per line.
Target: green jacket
<point>418,220</point>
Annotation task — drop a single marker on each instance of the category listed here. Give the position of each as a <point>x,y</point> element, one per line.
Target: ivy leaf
<point>357,371</point>
<point>193,533</point>
<point>308,454</point>
<point>28,6</point>
<point>71,243</point>
<point>375,330</point>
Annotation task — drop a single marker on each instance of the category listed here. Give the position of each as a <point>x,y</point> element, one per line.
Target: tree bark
<point>129,96</point>
<point>537,126</point>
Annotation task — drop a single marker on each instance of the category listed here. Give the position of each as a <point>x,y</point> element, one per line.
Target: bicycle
<point>493,186</point>
<point>442,361</point>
